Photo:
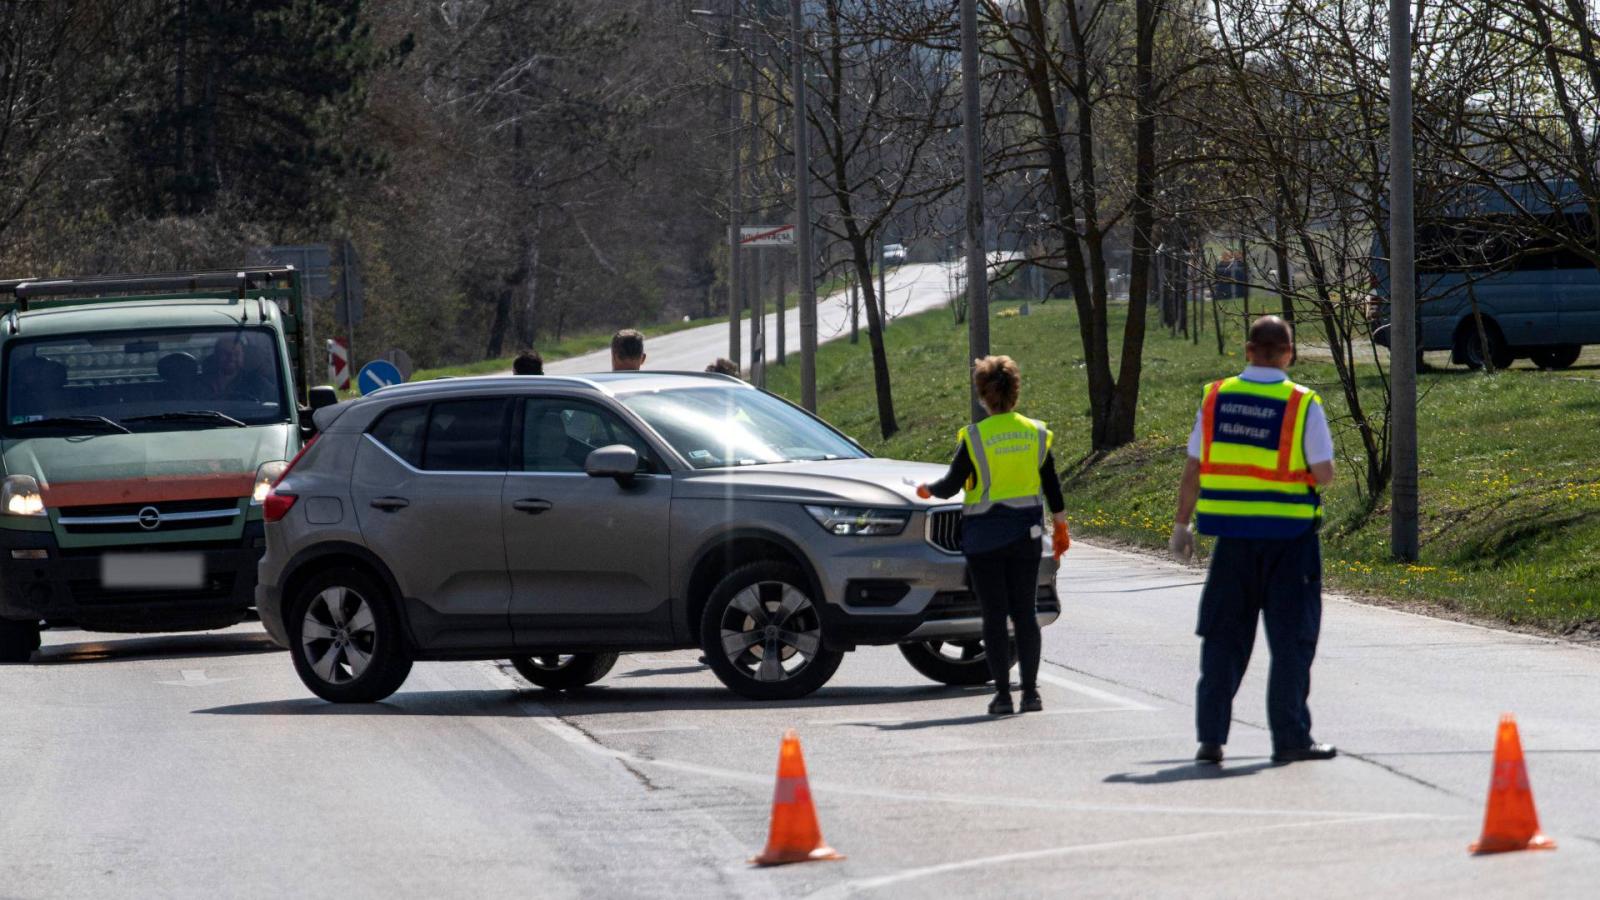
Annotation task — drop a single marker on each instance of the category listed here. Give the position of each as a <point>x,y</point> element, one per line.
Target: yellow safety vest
<point>1254,480</point>
<point>1007,451</point>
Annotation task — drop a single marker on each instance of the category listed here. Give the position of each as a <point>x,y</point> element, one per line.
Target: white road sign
<point>766,236</point>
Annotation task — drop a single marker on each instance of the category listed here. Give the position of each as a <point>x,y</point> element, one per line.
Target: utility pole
<point>736,188</point>
<point>1403,541</point>
<point>977,259</point>
<point>758,320</point>
<point>802,208</point>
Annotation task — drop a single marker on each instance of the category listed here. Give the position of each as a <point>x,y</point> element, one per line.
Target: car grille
<point>947,605</point>
<point>174,515</point>
<point>944,529</point>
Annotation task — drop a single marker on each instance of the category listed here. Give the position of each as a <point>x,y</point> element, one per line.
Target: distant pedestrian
<point>1007,473</point>
<point>1259,450</point>
<point>724,367</point>
<point>627,351</point>
<point>528,362</point>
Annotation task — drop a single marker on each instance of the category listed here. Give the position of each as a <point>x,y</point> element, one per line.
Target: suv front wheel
<point>951,662</point>
<point>762,633</point>
<point>344,634</point>
<point>18,640</point>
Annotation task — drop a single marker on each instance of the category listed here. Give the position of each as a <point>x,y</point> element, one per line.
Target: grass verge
<point>1510,494</point>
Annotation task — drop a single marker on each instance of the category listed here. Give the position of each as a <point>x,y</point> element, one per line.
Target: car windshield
<point>714,427</point>
<point>159,380</point>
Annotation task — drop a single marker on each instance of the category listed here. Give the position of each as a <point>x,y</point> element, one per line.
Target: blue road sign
<point>376,374</point>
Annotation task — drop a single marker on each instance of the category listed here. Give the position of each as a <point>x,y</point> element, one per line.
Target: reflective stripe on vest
<point>1254,479</point>
<point>1007,452</point>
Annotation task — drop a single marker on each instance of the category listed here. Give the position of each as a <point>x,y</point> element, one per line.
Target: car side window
<point>559,434</point>
<point>402,430</point>
<point>466,436</point>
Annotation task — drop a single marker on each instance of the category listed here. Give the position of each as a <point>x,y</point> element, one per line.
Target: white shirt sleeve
<point>1318,439</point>
<point>1197,440</point>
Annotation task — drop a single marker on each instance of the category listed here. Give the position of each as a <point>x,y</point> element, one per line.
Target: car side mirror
<point>617,461</point>
<point>321,396</point>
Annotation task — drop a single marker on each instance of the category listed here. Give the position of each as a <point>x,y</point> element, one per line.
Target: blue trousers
<point>1281,582</point>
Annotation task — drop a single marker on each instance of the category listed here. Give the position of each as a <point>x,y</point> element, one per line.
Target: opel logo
<point>149,518</point>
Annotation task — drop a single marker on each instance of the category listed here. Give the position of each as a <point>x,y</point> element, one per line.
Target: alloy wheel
<point>771,631</point>
<point>338,635</point>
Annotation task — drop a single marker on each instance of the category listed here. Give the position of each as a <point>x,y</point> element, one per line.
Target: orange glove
<point>1060,540</point>
<point>923,492</point>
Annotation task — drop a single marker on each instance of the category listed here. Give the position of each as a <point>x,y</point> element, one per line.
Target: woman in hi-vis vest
<point>1004,466</point>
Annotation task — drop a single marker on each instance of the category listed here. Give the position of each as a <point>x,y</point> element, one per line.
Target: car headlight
<point>267,475</point>
<point>20,496</point>
<point>856,521</point>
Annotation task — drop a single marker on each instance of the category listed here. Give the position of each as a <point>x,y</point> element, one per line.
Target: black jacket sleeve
<point>956,478</point>
<point>1051,484</point>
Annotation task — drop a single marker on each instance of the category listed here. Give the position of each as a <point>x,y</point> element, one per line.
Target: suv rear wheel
<point>564,671</point>
<point>1561,356</point>
<point>18,640</point>
<point>950,662</point>
<point>344,635</point>
<point>762,633</point>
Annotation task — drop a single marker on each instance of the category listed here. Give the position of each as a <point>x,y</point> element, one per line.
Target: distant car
<point>561,521</point>
<point>894,254</point>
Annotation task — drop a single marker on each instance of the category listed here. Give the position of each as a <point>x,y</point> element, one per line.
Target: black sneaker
<point>1001,705</point>
<point>1209,753</point>
<point>1031,702</point>
<point>1305,754</point>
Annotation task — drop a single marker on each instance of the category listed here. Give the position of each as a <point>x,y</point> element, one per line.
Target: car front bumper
<point>65,585</point>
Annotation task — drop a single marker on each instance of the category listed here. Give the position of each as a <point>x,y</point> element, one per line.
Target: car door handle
<point>531,506</point>
<point>390,504</point>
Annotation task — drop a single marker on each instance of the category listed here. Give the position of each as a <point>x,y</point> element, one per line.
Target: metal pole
<point>735,190</point>
<point>758,320</point>
<point>782,339</point>
<point>1403,538</point>
<point>977,261</point>
<point>802,206</point>
<point>883,286</point>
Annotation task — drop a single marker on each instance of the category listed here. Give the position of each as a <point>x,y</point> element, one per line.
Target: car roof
<point>613,383</point>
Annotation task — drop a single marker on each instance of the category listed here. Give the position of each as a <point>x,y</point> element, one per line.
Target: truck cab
<point>142,420</point>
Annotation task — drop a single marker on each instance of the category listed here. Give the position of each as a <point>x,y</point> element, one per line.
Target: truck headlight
<point>267,475</point>
<point>857,521</point>
<point>20,496</point>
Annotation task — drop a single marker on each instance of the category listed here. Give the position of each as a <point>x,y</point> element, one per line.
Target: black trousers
<point>1007,583</point>
<point>1281,581</point>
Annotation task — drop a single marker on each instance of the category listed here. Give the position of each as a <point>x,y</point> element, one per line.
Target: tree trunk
<point>861,250</point>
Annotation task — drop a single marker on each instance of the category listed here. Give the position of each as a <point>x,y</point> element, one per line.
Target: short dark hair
<point>627,344</point>
<point>724,367</point>
<point>998,382</point>
<point>528,362</point>
<point>1271,334</point>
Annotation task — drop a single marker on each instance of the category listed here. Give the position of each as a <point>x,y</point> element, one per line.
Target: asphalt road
<point>913,288</point>
<point>198,766</point>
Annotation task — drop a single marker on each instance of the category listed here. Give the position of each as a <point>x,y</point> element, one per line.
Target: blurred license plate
<point>152,570</point>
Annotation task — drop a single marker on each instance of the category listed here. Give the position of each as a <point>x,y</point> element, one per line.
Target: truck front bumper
<point>38,580</point>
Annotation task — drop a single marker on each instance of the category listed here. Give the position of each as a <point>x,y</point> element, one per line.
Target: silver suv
<point>559,521</point>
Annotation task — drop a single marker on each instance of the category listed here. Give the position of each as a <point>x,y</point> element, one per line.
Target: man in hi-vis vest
<point>1259,451</point>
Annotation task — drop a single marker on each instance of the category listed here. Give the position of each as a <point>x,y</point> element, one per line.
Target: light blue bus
<point>1501,256</point>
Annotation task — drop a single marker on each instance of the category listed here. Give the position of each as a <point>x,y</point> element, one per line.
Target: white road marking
<point>547,719</point>
<point>978,711</point>
<point>650,730</point>
<point>850,888</point>
<point>196,678</point>
<point>1094,693</point>
<point>1043,742</point>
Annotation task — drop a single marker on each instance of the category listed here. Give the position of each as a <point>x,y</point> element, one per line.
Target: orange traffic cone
<point>795,836</point>
<point>1509,822</point>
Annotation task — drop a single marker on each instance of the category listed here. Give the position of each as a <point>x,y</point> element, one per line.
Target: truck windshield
<point>159,380</point>
<point>715,427</point>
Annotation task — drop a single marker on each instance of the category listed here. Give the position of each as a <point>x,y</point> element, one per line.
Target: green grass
<point>1510,493</point>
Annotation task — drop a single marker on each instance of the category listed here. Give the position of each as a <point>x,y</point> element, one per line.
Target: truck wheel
<point>18,640</point>
<point>344,634</point>
<point>762,633</point>
<point>564,671</point>
<point>1560,357</point>
<point>950,662</point>
<point>1472,348</point>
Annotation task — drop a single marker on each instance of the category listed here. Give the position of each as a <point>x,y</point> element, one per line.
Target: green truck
<point>142,419</point>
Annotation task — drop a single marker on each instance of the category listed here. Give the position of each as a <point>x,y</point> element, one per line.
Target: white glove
<point>1182,543</point>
